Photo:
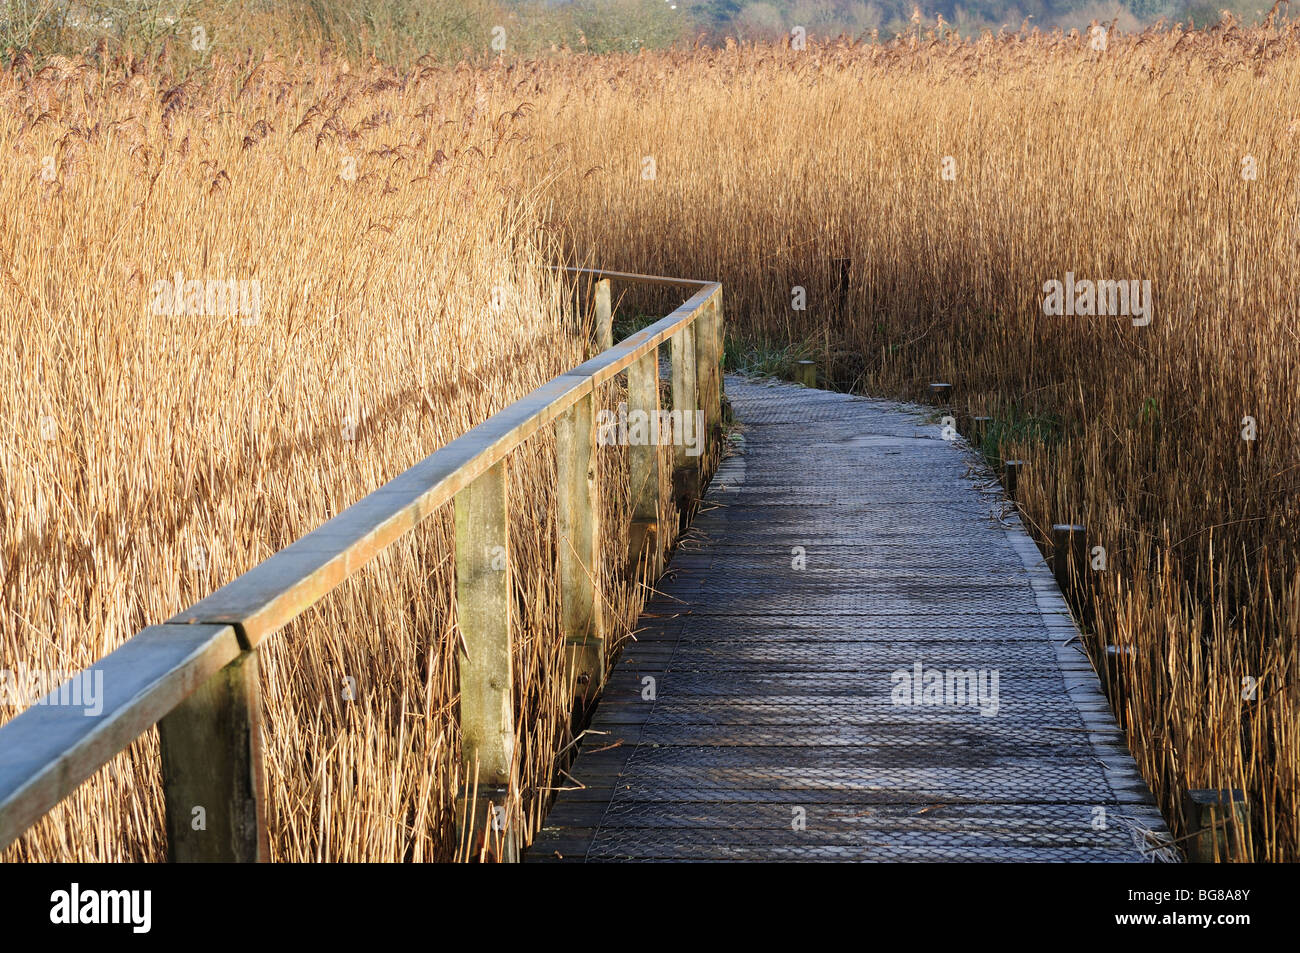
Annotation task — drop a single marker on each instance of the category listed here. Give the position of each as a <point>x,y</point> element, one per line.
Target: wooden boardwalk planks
<point>765,710</point>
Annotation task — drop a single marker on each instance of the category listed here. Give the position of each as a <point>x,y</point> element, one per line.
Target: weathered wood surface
<point>214,778</point>
<point>772,684</point>
<point>49,749</point>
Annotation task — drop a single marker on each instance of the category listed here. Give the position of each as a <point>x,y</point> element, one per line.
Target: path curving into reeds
<point>856,654</point>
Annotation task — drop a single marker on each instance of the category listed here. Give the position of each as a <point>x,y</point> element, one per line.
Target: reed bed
<point>149,456</point>
<point>770,164</point>
<point>1128,162</point>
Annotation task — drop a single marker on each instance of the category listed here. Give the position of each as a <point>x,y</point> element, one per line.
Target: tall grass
<point>150,457</point>
<point>1115,164</point>
<point>770,163</point>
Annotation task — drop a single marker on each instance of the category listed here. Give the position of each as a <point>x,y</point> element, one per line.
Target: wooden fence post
<point>644,543</point>
<point>1219,825</point>
<point>708,354</point>
<point>579,547</point>
<point>1118,659</point>
<point>720,329</point>
<point>214,786</point>
<point>1013,470</point>
<point>484,607</point>
<point>1069,556</point>
<point>604,316</point>
<point>686,468</point>
<point>806,373</point>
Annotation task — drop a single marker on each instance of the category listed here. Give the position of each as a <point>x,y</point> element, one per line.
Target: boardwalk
<point>844,548</point>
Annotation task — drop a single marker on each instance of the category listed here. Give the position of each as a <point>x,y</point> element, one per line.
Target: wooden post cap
<point>1013,468</point>
<point>806,372</point>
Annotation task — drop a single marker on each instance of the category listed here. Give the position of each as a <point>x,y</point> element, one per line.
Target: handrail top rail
<point>48,750</point>
<point>635,278</point>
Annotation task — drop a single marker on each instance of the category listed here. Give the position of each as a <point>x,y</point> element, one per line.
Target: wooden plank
<point>50,749</point>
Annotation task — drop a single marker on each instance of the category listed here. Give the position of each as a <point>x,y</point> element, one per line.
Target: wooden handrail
<point>196,675</point>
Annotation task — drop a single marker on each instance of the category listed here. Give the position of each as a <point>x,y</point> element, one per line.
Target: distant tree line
<point>400,31</point>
